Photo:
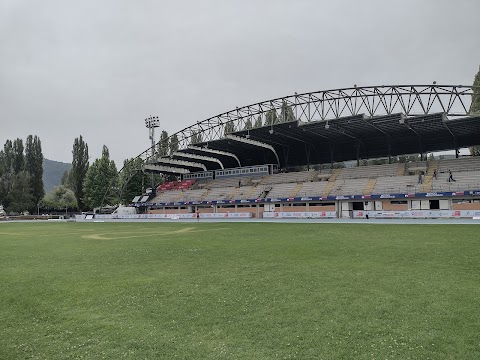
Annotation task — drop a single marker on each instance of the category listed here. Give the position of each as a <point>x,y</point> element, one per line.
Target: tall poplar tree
<point>162,147</point>
<point>475,108</point>
<point>248,124</point>
<point>18,156</point>
<point>132,180</point>
<point>229,128</point>
<point>271,117</point>
<point>258,122</point>
<point>8,156</point>
<point>101,181</point>
<point>34,166</point>
<point>286,113</point>
<point>79,169</point>
<point>173,143</point>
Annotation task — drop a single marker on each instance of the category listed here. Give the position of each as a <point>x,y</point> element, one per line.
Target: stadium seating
<point>292,177</point>
<point>349,186</point>
<point>396,185</point>
<point>184,184</point>
<point>464,180</point>
<point>281,190</point>
<point>461,164</point>
<point>372,179</point>
<point>228,181</point>
<point>359,172</point>
<point>312,188</point>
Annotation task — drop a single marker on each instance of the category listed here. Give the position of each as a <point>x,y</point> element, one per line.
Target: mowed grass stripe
<point>239,291</point>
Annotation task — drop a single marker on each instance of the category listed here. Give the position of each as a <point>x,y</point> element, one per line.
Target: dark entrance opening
<point>434,204</point>
<point>358,205</point>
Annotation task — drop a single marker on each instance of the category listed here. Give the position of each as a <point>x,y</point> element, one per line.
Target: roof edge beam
<point>169,161</point>
<point>198,157</point>
<point>165,169</point>
<point>213,151</point>
<point>254,143</point>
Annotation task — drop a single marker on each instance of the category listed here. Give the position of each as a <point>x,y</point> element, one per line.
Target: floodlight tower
<point>151,123</point>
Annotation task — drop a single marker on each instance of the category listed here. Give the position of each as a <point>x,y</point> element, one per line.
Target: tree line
<point>86,186</point>
<point>100,184</point>
<point>21,170</point>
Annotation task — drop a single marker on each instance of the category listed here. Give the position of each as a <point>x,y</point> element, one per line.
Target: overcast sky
<point>97,68</point>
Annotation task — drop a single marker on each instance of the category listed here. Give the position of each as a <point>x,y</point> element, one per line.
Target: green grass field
<point>239,291</point>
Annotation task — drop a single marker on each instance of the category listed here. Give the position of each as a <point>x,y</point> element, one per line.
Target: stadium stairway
<point>427,180</point>
<point>427,183</point>
<point>295,190</point>
<point>253,190</point>
<point>234,193</point>
<point>207,192</point>
<point>370,185</point>
<point>400,169</point>
<point>331,181</point>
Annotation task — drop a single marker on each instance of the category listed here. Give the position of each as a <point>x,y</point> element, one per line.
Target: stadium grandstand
<point>310,155</point>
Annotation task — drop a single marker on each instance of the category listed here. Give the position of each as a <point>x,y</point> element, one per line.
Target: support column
<point>307,153</point>
<point>331,156</point>
<point>357,145</point>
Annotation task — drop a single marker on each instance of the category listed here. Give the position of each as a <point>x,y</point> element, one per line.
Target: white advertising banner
<point>300,215</point>
<point>418,214</point>
<point>243,215</point>
<point>165,216</point>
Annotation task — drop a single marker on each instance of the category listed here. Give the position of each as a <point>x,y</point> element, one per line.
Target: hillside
<point>53,172</point>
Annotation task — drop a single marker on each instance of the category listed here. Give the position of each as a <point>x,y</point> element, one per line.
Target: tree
<point>162,147</point>
<point>475,150</point>
<point>271,117</point>
<point>475,108</point>
<point>196,138</point>
<point>79,170</point>
<point>60,198</point>
<point>132,180</point>
<point>258,122</point>
<point>248,124</point>
<point>34,166</point>
<point>20,197</point>
<point>67,179</point>
<point>6,171</point>
<point>18,156</point>
<point>173,143</point>
<point>286,113</point>
<point>101,181</point>
<point>4,178</point>
<point>8,156</point>
<point>229,128</point>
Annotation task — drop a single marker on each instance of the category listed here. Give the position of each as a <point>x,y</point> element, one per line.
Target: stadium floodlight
<point>151,123</point>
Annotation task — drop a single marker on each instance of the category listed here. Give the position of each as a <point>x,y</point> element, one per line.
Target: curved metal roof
<point>332,125</point>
